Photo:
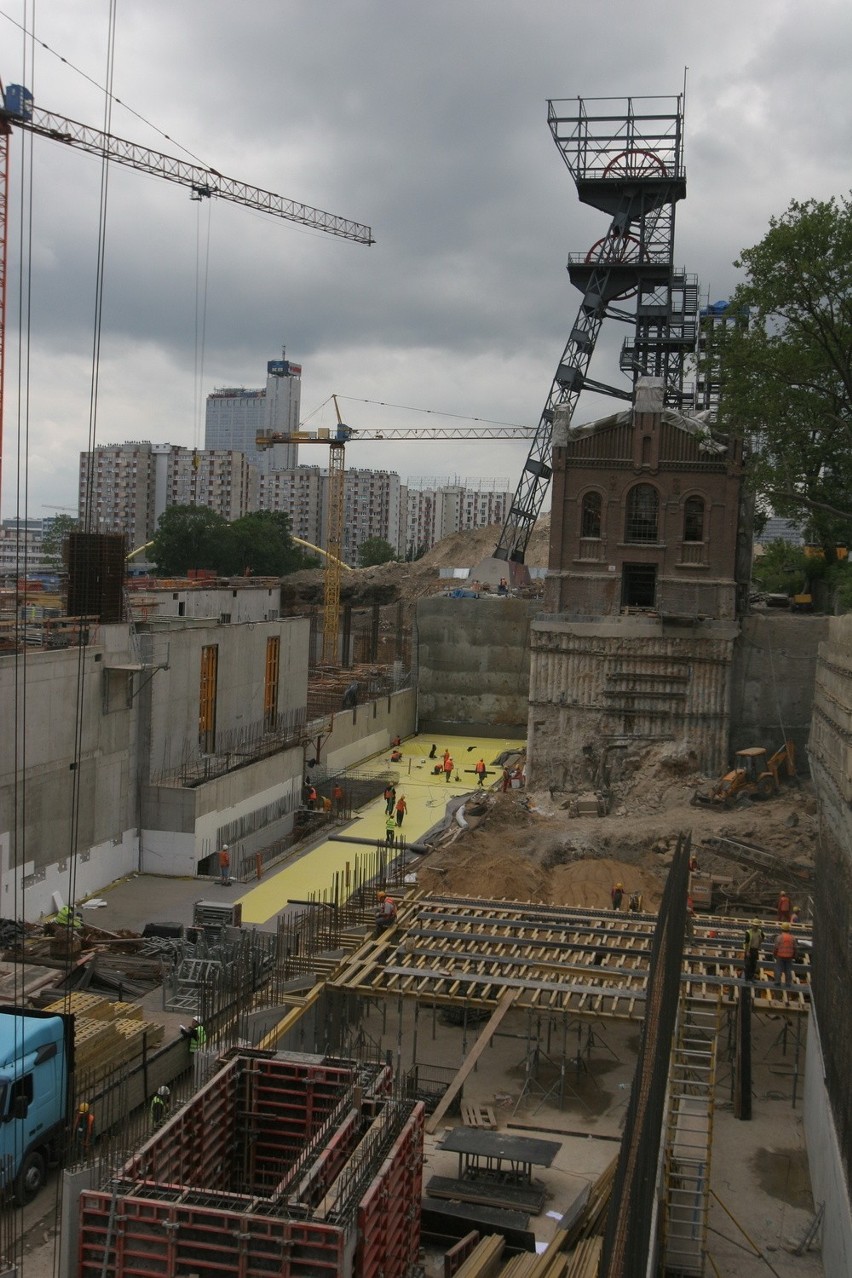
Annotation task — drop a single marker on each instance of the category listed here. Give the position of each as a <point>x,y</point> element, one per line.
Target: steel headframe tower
<point>626,158</point>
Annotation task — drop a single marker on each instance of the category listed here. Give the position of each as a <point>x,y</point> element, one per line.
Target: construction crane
<point>336,442</point>
<point>18,111</point>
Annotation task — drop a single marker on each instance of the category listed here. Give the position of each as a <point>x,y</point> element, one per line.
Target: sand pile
<point>512,877</point>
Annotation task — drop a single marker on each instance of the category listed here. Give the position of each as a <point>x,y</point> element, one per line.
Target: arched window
<point>643,508</point>
<point>590,520</point>
<point>693,519</point>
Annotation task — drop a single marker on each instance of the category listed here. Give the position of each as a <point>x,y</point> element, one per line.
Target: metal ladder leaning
<point>689,1135</point>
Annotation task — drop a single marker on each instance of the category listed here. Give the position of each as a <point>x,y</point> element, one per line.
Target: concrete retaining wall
<point>367,729</point>
<point>773,681</point>
<point>828,1180</point>
<point>473,662</point>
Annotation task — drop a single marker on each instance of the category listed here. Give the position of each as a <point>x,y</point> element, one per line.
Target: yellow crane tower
<point>336,443</point>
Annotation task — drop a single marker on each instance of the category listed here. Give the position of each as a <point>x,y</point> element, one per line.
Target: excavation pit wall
<point>286,1165</point>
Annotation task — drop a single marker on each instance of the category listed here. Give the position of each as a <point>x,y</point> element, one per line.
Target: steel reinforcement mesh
<point>628,1240</point>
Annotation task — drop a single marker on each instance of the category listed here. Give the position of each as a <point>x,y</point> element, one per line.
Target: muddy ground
<point>529,847</point>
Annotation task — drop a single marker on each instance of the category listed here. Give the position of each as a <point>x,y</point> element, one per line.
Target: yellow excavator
<point>753,775</point>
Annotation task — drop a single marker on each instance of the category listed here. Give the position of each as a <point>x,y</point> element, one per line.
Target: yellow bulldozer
<point>753,776</point>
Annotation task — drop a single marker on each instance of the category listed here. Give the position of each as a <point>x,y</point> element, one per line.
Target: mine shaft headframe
<point>605,141</point>
<point>626,158</point>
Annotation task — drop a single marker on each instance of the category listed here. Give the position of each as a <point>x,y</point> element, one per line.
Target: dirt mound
<point>387,583</point>
<point>588,883</point>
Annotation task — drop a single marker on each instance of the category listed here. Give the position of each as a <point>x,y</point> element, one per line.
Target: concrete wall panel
<point>773,680</point>
<point>473,665</point>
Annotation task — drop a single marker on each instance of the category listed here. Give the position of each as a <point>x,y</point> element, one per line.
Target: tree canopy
<point>375,550</point>
<point>258,545</point>
<point>786,375</point>
<point>56,535</point>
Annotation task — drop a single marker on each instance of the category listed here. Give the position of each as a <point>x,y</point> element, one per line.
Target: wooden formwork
<point>572,962</point>
<point>285,1166</point>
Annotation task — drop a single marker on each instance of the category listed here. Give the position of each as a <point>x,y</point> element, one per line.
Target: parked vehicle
<point>36,1096</point>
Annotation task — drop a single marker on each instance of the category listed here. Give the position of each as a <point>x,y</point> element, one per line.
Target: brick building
<point>648,571</point>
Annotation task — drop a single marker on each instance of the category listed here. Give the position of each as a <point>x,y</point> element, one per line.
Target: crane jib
<point>203,183</point>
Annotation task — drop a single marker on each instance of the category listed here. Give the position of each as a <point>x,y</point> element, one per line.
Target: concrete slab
<point>146,898</point>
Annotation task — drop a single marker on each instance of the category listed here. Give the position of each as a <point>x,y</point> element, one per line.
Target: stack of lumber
<point>106,1034</point>
<point>484,1260</point>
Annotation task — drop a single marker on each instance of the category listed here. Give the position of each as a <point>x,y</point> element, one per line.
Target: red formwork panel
<point>239,1184</point>
<point>389,1212</point>
<point>157,1238</point>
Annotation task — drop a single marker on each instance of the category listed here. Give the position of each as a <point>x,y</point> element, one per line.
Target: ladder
<point>689,1136</point>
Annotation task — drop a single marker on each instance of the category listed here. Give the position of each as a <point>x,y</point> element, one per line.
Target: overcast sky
<point>428,122</point>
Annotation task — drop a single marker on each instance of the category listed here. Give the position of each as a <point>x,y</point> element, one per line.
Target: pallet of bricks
<point>107,1035</point>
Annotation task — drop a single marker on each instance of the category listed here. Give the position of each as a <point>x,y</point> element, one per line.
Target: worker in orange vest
<point>785,908</point>
<point>84,1130</point>
<point>448,767</point>
<point>401,809</point>
<point>784,950</point>
<point>480,772</point>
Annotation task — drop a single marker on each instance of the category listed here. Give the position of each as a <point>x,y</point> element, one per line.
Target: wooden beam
<point>472,1057</point>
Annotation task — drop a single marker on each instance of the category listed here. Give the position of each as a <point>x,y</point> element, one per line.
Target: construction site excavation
<point>481,915</point>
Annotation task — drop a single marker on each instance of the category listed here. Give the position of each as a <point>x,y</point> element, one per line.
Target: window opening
<point>693,519</point>
<point>590,523</point>
<point>270,687</point>
<point>207,699</point>
<point>643,509</point>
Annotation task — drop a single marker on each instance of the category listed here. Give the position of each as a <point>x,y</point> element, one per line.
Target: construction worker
<point>785,908</point>
<point>401,809</point>
<point>796,917</point>
<point>396,755</point>
<point>693,863</point>
<point>386,912</point>
<point>634,903</point>
<point>784,951</point>
<point>397,741</point>
<point>160,1106</point>
<point>480,772</point>
<point>507,780</point>
<point>337,796</point>
<point>390,798</point>
<point>312,797</point>
<point>67,917</point>
<point>448,767</point>
<point>84,1130</point>
<point>196,1034</point>
<point>751,950</point>
<point>617,895</point>
<point>225,865</point>
<point>390,828</point>
<point>434,751</point>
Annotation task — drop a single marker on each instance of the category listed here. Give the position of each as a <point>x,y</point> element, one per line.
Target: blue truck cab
<point>36,1082</point>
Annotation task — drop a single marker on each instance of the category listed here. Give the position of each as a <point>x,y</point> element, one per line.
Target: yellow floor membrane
<point>426,796</point>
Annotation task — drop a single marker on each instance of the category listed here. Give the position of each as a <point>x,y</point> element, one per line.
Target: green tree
<point>375,550</point>
<point>784,569</point>
<point>260,545</point>
<point>786,376</point>
<point>56,536</point>
<point>189,537</point>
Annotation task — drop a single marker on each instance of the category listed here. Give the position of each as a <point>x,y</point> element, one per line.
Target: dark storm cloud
<point>429,123</point>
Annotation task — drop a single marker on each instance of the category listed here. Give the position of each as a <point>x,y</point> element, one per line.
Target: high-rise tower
<point>236,416</point>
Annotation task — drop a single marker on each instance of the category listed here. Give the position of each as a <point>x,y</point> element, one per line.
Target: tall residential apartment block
<point>373,505</point>
<point>126,487</point>
<point>434,510</point>
<point>300,493</point>
<point>236,416</point>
